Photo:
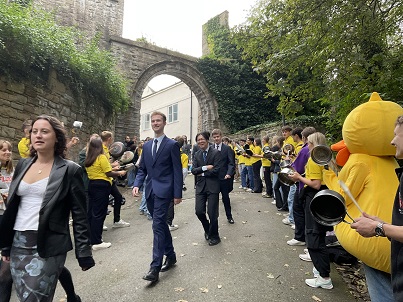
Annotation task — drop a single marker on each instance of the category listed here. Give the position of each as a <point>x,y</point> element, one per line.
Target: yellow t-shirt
<point>313,171</point>
<point>256,150</point>
<point>298,147</point>
<point>23,147</point>
<point>106,151</point>
<point>98,169</point>
<point>289,140</point>
<point>184,160</point>
<point>248,160</point>
<point>266,162</point>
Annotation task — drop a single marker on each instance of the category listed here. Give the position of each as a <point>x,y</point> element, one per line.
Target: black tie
<point>217,146</point>
<point>155,148</point>
<point>204,155</point>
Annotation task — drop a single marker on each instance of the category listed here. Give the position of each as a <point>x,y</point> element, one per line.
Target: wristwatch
<point>379,230</point>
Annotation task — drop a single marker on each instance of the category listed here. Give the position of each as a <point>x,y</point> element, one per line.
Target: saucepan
<point>329,208</point>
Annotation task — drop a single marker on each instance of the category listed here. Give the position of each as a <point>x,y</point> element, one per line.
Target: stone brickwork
<point>20,101</point>
<point>139,62</point>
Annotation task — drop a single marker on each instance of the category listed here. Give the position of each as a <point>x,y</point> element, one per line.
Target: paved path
<point>252,263</point>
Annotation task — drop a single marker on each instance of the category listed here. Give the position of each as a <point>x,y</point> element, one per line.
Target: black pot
<point>328,208</point>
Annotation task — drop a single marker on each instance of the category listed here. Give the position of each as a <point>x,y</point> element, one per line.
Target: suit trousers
<point>225,189</point>
<point>210,225</point>
<point>162,244</point>
<point>98,195</point>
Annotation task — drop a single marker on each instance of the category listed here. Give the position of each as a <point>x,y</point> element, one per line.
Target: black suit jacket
<point>210,181</point>
<point>64,194</point>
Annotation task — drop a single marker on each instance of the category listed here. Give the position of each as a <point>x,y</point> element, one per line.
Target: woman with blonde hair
<point>315,233</point>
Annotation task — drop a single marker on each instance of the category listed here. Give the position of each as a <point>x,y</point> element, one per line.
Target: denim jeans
<point>244,173</point>
<point>250,177</point>
<point>290,201</point>
<point>379,285</point>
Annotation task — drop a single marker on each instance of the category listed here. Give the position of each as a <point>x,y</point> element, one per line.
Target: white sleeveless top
<point>31,201</point>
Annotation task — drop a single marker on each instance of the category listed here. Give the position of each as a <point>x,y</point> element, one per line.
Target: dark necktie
<point>216,146</point>
<point>155,148</point>
<point>204,155</point>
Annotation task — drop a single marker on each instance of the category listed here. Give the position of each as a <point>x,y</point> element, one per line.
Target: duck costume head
<point>369,173</point>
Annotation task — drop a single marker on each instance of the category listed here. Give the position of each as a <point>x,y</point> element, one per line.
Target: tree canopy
<point>238,90</point>
<point>31,43</point>
<point>325,56</point>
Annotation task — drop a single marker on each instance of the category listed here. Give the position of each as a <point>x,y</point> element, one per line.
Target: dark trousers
<point>6,281</point>
<point>281,200</point>
<point>66,281</point>
<point>118,202</point>
<point>224,189</point>
<point>258,188</point>
<point>299,216</point>
<point>171,212</point>
<point>210,200</point>
<point>315,235</point>
<point>267,180</point>
<point>98,195</point>
<point>162,243</point>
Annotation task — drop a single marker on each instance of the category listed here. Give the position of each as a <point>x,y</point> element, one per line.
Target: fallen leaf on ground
<point>219,286</point>
<point>195,243</point>
<point>182,255</point>
<point>182,301</point>
<point>204,289</point>
<point>271,276</point>
<point>244,222</point>
<point>179,289</point>
<point>316,299</point>
<point>286,265</point>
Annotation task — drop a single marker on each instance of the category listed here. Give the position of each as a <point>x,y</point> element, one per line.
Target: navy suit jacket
<point>164,173</point>
<point>227,163</point>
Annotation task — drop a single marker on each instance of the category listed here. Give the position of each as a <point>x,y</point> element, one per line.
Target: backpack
<point>337,253</point>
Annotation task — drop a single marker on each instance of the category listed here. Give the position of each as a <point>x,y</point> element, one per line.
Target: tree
<point>329,55</point>
<point>238,90</point>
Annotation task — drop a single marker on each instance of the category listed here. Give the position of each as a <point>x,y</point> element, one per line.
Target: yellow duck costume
<point>370,175</point>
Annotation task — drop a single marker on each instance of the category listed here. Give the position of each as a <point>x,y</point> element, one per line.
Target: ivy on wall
<point>31,44</point>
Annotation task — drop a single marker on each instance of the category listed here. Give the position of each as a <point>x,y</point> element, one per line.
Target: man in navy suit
<point>227,171</point>
<point>206,166</point>
<point>160,161</point>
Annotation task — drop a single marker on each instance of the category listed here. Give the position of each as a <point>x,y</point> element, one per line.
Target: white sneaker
<point>292,226</point>
<point>286,221</point>
<point>273,202</point>
<point>104,228</point>
<point>295,242</point>
<point>173,227</point>
<point>120,224</point>
<point>315,272</point>
<point>249,190</point>
<point>305,257</point>
<point>102,245</point>
<point>319,282</point>
<point>306,251</point>
<point>240,187</point>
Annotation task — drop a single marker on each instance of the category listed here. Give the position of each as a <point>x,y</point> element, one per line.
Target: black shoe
<point>75,299</point>
<point>168,264</point>
<point>152,275</point>
<point>214,241</point>
<point>206,236</point>
<point>231,221</point>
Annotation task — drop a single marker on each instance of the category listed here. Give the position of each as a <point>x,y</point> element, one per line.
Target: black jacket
<point>64,194</point>
<point>210,181</point>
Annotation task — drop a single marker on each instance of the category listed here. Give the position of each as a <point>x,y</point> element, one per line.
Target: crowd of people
<point>45,193</point>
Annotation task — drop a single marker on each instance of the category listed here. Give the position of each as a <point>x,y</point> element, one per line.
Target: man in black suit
<point>206,166</point>
<point>227,171</point>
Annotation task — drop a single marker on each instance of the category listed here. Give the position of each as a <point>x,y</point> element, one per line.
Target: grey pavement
<point>252,263</point>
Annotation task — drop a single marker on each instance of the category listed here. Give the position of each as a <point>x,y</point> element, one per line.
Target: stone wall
<point>21,100</point>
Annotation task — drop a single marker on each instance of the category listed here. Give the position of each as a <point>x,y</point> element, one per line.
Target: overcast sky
<point>177,24</point>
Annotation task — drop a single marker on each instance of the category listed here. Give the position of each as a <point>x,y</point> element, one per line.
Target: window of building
<point>173,113</point>
<point>145,121</point>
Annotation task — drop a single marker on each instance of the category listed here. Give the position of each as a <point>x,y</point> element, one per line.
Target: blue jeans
<point>244,173</point>
<point>143,204</point>
<point>290,201</point>
<point>250,177</point>
<point>131,177</point>
<point>379,285</point>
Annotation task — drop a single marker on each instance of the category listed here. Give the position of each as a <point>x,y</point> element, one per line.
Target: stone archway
<point>186,73</point>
